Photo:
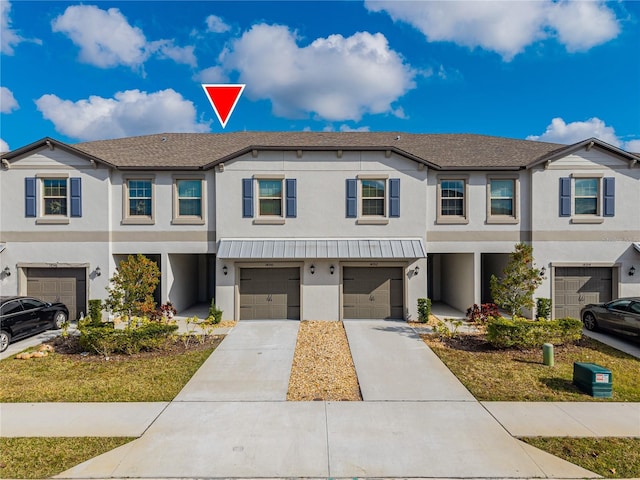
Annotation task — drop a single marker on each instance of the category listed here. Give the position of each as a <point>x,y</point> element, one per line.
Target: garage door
<point>66,285</point>
<point>269,293</point>
<point>577,286</point>
<point>372,292</point>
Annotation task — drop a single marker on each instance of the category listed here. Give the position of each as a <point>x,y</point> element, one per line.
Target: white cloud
<point>558,131</point>
<point>347,128</point>
<point>506,27</point>
<point>129,113</point>
<point>212,75</point>
<point>215,24</point>
<point>106,39</point>
<point>9,37</point>
<point>8,102</point>
<point>4,146</point>
<point>335,78</point>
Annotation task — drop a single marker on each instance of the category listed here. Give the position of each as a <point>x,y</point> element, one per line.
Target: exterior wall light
<point>225,270</point>
<point>632,271</point>
<point>312,269</point>
<point>7,272</point>
<point>543,270</point>
<point>98,272</point>
<point>416,270</point>
<point>332,269</point>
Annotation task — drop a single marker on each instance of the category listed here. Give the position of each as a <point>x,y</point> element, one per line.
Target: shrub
<point>481,314</point>
<point>424,309</point>
<point>164,313</point>
<point>215,314</point>
<point>95,311</point>
<point>543,308</point>
<point>522,333</point>
<point>105,339</point>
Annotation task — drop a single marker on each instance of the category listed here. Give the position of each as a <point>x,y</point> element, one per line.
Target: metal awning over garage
<point>347,249</point>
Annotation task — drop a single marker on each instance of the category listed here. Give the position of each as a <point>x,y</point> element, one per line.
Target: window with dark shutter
<point>394,197</point>
<point>609,197</point>
<point>565,197</point>
<point>30,197</point>
<point>247,197</point>
<point>292,207</point>
<point>352,198</point>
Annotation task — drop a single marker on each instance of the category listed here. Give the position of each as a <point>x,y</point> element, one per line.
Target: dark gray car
<point>621,315</point>
<point>22,317</point>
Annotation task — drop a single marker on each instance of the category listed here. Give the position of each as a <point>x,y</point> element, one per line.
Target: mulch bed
<point>322,365</point>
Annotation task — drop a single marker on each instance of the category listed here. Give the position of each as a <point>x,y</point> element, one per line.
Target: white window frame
<point>44,218</point>
<point>127,218</point>
<point>587,217</point>
<point>514,218</point>
<point>265,219</point>
<point>373,219</point>
<point>189,219</point>
<point>453,219</point>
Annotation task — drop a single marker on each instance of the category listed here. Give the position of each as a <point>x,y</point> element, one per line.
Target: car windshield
<point>619,305</point>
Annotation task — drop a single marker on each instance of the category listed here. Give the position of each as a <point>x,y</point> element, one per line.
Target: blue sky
<point>558,71</point>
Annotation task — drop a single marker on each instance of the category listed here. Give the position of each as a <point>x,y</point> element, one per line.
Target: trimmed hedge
<point>106,340</point>
<point>522,333</point>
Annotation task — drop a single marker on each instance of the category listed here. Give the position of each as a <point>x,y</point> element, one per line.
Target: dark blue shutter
<point>394,197</point>
<point>609,196</point>
<point>30,197</point>
<point>76,197</point>
<point>247,197</point>
<point>565,197</point>
<point>292,208</point>
<point>352,198</point>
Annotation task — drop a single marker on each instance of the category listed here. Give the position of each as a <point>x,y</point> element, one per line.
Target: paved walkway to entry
<point>232,420</point>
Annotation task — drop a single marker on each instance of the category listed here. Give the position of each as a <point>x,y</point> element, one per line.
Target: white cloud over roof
<point>506,27</point>
<point>106,39</point>
<point>335,78</point>
<point>8,102</point>
<point>129,113</point>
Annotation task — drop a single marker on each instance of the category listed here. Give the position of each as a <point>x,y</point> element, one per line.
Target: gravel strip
<point>322,364</point>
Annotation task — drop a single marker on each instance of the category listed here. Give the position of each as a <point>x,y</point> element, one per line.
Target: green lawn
<point>45,457</point>
<point>519,375</point>
<point>72,378</point>
<point>609,457</point>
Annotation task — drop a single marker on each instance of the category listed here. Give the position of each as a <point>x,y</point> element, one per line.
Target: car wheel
<point>58,320</point>
<point>5,339</point>
<point>590,321</point>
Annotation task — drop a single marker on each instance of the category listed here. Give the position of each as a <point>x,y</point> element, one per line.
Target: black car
<point>621,315</point>
<point>25,316</point>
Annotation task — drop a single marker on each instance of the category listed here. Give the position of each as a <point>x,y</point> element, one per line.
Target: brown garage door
<point>269,293</point>
<point>372,292</point>
<point>66,285</point>
<point>577,286</point>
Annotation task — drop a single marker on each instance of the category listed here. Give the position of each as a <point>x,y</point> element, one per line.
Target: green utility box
<point>592,379</point>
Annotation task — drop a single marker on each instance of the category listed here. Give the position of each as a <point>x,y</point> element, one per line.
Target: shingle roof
<point>201,150</point>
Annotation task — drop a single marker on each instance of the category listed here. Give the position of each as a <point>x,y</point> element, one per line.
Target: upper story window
<point>587,197</point>
<point>452,199</point>
<point>502,199</point>
<point>138,200</point>
<point>275,198</point>
<point>270,197</point>
<point>372,199</point>
<point>54,196</point>
<point>188,200</point>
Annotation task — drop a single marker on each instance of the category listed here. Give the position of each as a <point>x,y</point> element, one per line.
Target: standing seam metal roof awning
<point>409,248</point>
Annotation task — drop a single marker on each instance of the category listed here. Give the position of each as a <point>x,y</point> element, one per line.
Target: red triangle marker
<point>223,99</point>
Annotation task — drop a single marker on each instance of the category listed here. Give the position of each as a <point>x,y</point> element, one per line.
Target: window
<point>270,197</point>
<point>502,199</point>
<point>373,198</point>
<point>11,308</point>
<point>586,196</point>
<point>54,196</point>
<point>139,198</point>
<point>31,304</point>
<point>452,199</point>
<point>620,305</point>
<point>188,200</point>
<point>137,201</point>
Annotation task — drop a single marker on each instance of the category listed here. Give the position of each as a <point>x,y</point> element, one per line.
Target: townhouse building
<point>314,226</point>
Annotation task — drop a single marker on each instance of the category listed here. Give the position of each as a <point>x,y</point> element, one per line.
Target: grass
<point>609,457</point>
<point>45,457</point>
<point>72,378</point>
<point>519,375</point>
